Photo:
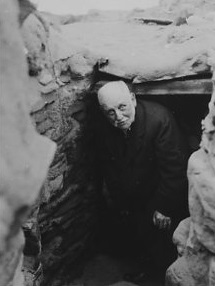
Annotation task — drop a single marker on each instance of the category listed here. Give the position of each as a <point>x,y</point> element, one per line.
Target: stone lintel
<point>177,87</point>
<point>168,87</point>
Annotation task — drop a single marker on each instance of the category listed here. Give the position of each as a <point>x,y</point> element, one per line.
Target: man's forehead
<point>114,86</point>
<point>113,93</point>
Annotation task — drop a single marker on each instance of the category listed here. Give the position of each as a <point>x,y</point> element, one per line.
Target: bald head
<point>113,89</point>
<point>118,104</point>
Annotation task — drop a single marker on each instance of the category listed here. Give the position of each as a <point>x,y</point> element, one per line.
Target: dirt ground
<point>105,270</point>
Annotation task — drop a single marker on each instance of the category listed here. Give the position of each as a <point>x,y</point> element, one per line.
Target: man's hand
<point>161,221</point>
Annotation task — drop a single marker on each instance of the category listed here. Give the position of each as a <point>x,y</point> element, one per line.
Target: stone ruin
<point>48,183</point>
<point>195,236</point>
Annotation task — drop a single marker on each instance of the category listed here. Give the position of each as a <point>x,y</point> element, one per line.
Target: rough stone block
<point>181,235</point>
<point>25,155</point>
<point>178,274</point>
<point>35,35</point>
<point>44,126</point>
<point>202,198</point>
<point>50,87</point>
<point>45,77</point>
<point>50,188</point>
<point>212,272</point>
<point>196,266</point>
<point>79,66</point>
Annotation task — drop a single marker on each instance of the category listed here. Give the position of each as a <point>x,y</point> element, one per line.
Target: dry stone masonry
<point>65,214</point>
<point>48,184</point>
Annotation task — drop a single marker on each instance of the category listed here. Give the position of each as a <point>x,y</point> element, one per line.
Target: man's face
<point>117,104</point>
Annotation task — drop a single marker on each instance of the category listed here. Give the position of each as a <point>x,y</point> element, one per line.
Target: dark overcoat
<point>147,165</point>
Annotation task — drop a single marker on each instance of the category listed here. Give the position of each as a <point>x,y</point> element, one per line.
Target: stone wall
<point>25,155</point>
<point>62,223</point>
<point>55,92</point>
<point>195,236</point>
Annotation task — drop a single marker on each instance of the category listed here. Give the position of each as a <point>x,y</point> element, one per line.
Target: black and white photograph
<point>107,142</point>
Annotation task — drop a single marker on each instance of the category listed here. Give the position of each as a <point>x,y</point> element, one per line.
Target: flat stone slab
<point>138,52</point>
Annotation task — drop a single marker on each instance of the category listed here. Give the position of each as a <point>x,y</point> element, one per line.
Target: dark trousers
<point>155,244</point>
<point>132,233</point>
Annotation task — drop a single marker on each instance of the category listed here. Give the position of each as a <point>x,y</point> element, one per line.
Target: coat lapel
<point>136,140</point>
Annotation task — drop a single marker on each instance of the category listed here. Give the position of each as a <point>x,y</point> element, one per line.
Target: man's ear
<point>133,98</point>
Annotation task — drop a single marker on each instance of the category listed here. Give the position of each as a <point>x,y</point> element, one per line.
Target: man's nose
<point>119,115</point>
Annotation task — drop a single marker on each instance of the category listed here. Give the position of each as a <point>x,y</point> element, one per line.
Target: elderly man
<point>143,161</point>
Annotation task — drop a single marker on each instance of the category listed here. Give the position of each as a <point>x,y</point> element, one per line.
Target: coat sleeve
<point>171,194</point>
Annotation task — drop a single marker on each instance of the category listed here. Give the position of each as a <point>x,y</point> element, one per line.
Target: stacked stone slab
<point>25,155</point>
<point>195,236</point>
<point>63,220</point>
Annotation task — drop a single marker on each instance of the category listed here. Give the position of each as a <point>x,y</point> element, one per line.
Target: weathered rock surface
<point>61,66</point>
<point>65,223</point>
<point>137,51</point>
<point>143,53</point>
<point>196,5</point>
<point>25,155</point>
<point>201,199</point>
<point>196,267</point>
<point>181,235</point>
